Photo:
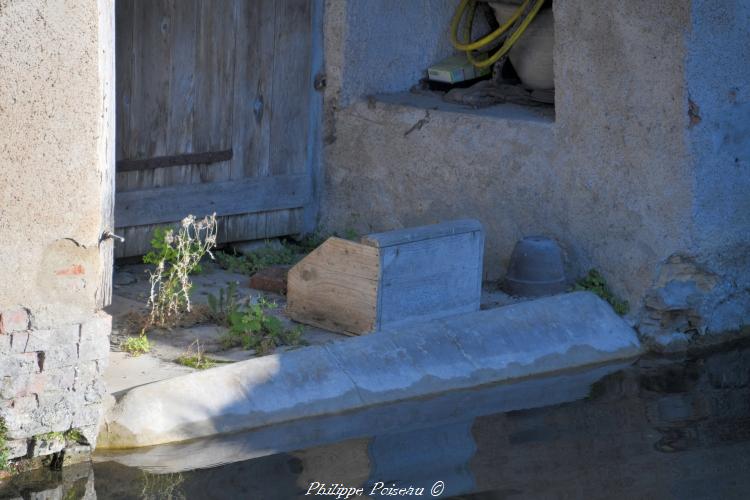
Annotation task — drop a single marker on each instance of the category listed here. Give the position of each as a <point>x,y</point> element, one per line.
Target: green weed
<point>251,328</point>
<point>257,260</point>
<point>135,346</point>
<point>75,436</point>
<point>4,453</point>
<point>196,358</point>
<point>288,253</point>
<point>225,304</point>
<point>595,282</point>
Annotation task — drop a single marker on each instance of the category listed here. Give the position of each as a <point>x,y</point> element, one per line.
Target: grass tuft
<point>595,282</point>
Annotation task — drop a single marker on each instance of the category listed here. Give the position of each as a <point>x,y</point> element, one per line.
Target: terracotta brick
<point>14,320</point>
<point>271,279</point>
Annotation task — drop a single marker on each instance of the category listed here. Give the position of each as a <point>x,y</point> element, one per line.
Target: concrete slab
<point>397,418</point>
<point>507,344</point>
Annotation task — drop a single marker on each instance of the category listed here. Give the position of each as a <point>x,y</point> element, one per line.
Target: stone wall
<point>625,175</point>
<point>50,383</point>
<point>56,162</point>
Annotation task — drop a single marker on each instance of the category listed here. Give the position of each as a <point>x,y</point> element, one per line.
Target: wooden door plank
<point>290,105</point>
<point>214,76</point>
<point>231,228</point>
<point>250,195</point>
<point>184,47</point>
<point>124,25</point>
<point>254,61</point>
<point>152,59</point>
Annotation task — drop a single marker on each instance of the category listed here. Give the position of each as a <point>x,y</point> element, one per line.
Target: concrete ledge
<point>500,345</point>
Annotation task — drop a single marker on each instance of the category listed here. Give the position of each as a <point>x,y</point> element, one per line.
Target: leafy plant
<point>257,260</point>
<point>175,256</point>
<point>135,346</point>
<point>595,282</point>
<point>75,436</point>
<point>225,304</point>
<point>196,358</point>
<point>4,453</point>
<point>251,328</point>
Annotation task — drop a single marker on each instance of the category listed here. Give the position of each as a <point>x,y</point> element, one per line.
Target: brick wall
<point>51,383</point>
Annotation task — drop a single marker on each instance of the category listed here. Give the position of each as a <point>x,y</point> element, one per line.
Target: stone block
<point>17,448</point>
<point>16,365</point>
<point>47,444</point>
<point>87,417</point>
<point>92,350</point>
<point>42,340</point>
<point>61,378</point>
<point>97,328</point>
<point>61,356</point>
<point>56,409</point>
<point>76,454</point>
<point>5,344</point>
<point>25,404</point>
<point>14,320</point>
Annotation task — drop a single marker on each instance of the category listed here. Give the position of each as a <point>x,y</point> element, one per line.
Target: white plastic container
<point>531,55</point>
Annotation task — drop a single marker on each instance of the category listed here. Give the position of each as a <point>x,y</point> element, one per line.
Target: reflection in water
<point>657,429</point>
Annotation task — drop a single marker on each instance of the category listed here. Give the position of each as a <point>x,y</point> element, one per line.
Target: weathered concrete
<point>399,417</point>
<point>643,163</point>
<point>56,145</point>
<point>53,151</point>
<point>504,344</point>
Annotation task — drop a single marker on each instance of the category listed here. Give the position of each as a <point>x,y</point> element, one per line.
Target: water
<point>653,429</point>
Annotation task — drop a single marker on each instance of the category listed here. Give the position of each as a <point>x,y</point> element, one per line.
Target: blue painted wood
<point>429,272</point>
<point>249,195</point>
<point>412,234</point>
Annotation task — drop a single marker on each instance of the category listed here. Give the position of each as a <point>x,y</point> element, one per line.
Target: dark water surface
<point>652,429</point>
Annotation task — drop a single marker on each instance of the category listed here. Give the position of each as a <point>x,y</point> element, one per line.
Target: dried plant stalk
<point>176,255</point>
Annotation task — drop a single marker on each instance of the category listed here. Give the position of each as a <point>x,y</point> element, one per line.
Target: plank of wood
<point>430,278</point>
<point>255,25</point>
<point>107,149</point>
<point>250,195</point>
<point>290,102</point>
<point>214,76</point>
<point>184,47</point>
<point>413,234</point>
<point>151,68</point>
<point>336,287</point>
<point>230,228</point>
<point>124,26</point>
<point>174,160</point>
<point>315,112</point>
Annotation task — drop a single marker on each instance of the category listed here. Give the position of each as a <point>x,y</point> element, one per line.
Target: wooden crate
<point>389,278</point>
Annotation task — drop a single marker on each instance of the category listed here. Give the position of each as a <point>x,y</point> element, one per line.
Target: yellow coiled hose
<point>470,46</point>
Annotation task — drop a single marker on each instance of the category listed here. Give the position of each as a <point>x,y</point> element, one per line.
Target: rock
<point>271,279</point>
<point>671,342</point>
<point>76,454</point>
<point>17,448</point>
<point>47,444</point>
<point>124,278</point>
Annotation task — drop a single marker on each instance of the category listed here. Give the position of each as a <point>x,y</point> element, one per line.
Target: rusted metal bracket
<point>175,160</point>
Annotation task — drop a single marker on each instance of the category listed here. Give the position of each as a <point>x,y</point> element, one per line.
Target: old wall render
<point>610,177</point>
<point>56,80</point>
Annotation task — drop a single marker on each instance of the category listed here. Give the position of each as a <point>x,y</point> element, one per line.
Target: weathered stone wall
<point>51,382</point>
<point>622,175</point>
<point>56,63</point>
